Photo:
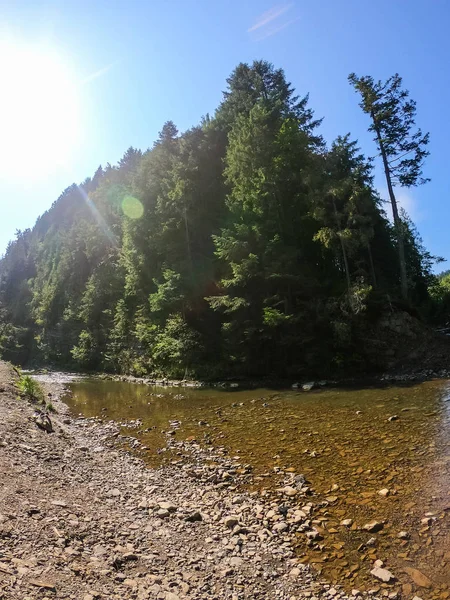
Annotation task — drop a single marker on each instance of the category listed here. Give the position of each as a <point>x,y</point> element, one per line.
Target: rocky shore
<point>82,518</point>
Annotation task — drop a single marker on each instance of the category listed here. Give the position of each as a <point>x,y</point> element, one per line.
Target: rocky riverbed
<point>82,519</point>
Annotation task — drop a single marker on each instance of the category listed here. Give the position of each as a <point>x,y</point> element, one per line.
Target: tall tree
<point>402,146</point>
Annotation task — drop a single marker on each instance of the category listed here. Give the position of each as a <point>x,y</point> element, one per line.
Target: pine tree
<point>403,148</point>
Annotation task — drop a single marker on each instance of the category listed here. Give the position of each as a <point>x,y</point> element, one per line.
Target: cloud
<point>268,23</point>
<point>410,204</point>
<point>406,201</point>
<point>99,73</point>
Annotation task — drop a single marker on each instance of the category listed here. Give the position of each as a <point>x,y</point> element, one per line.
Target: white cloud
<point>263,25</point>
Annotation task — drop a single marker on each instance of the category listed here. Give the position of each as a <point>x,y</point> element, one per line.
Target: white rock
<point>382,574</point>
<point>347,522</point>
<point>378,563</point>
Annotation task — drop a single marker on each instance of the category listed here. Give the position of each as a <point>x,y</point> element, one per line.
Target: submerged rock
<point>382,574</point>
<point>373,526</point>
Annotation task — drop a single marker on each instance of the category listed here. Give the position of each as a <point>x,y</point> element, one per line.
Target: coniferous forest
<point>245,246</point>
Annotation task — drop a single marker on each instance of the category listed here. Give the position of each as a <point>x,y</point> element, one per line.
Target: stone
<point>169,506</point>
<point>419,578</point>
<point>393,418</point>
<point>313,535</point>
<point>171,596</point>
<point>382,574</point>
<point>373,526</point>
<point>289,491</point>
<point>403,535</point>
<point>378,563</point>
<point>60,503</point>
<point>231,521</point>
<point>130,556</point>
<point>294,573</point>
<point>43,421</point>
<point>307,387</point>
<point>193,517</point>
<point>163,513</point>
<point>384,492</point>
<point>40,583</point>
<point>235,561</point>
<point>347,522</point>
<point>280,527</point>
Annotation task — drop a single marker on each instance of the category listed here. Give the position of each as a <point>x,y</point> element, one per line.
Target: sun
<point>39,111</point>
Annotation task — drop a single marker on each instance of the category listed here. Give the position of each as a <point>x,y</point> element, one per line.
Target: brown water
<point>344,444</point>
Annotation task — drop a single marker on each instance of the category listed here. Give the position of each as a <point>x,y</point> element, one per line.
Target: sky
<point>82,81</point>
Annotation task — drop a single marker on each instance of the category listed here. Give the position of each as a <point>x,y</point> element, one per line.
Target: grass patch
<point>30,388</point>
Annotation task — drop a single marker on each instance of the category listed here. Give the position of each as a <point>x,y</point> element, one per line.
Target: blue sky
<point>133,65</point>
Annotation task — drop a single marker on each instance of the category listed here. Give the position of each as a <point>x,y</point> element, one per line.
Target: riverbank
<point>81,518</point>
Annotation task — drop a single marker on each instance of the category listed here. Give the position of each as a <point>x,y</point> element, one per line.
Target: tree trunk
<point>344,252</point>
<point>372,267</point>
<point>397,220</point>
<point>188,241</point>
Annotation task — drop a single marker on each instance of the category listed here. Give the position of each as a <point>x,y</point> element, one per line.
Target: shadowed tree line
<point>243,246</point>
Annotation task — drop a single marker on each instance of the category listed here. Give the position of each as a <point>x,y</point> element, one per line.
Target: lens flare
<point>132,207</point>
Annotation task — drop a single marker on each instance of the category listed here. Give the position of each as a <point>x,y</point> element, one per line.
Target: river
<point>378,453</point>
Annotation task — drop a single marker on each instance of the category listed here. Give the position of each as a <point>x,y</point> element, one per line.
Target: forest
<point>244,246</point>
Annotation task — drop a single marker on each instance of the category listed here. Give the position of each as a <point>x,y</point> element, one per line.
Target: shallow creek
<point>344,443</point>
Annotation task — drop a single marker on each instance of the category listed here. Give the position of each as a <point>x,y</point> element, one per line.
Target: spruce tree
<point>402,146</point>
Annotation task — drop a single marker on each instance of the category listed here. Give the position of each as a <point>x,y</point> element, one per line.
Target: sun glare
<point>39,112</point>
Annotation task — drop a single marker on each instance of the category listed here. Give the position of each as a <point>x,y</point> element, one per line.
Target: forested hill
<point>244,245</point>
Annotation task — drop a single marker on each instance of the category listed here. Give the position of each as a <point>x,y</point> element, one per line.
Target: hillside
<point>243,246</point>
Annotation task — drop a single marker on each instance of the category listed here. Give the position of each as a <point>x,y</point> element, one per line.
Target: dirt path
<point>81,519</point>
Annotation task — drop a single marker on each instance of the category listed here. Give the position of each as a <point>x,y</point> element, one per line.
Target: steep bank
<point>82,519</point>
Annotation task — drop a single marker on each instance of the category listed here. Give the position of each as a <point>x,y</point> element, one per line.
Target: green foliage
<point>177,347</point>
<point>393,115</point>
<point>30,388</point>
<point>241,246</point>
<point>85,353</point>
<point>402,146</point>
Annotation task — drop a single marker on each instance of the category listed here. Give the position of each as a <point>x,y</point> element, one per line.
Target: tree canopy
<point>242,246</point>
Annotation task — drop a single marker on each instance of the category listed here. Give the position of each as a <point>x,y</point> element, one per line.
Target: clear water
<point>345,445</point>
